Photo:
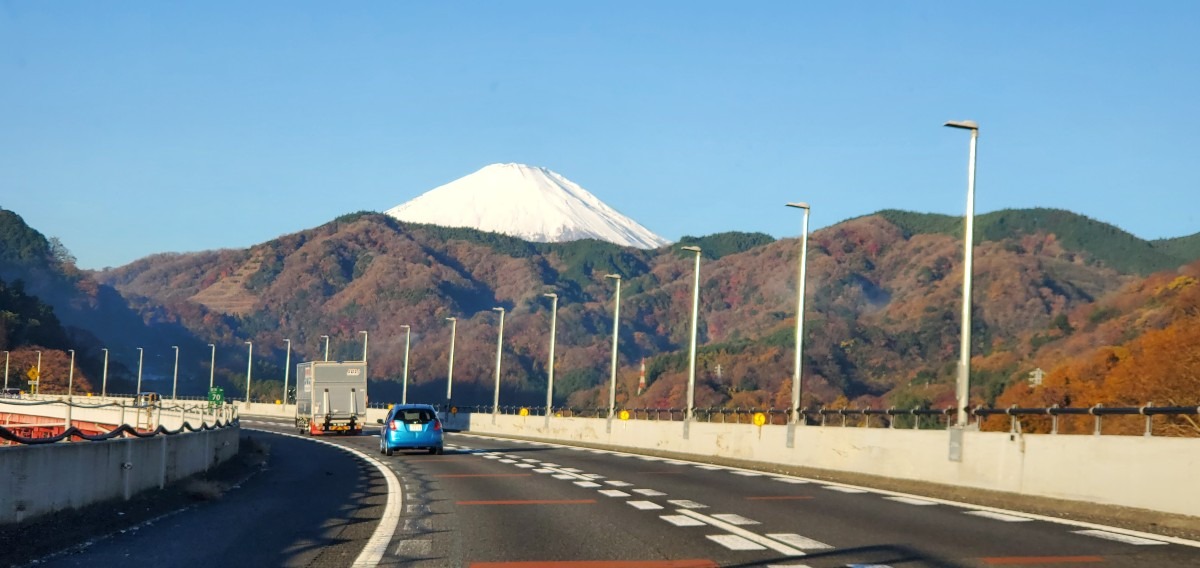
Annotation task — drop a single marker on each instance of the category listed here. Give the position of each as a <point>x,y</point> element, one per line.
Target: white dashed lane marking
<point>588,484</point>
<point>682,521</point>
<point>801,542</point>
<point>910,501</point>
<point>1117,537</point>
<point>686,504</point>
<point>734,542</point>
<point>999,516</point>
<point>649,492</point>
<point>644,505</point>
<point>618,483</point>
<point>791,480</point>
<point>746,473</point>
<point>844,489</point>
<point>613,493</point>
<point>735,519</point>
<point>415,548</point>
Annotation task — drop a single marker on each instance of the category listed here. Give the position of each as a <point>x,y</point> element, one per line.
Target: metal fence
<point>1013,419</point>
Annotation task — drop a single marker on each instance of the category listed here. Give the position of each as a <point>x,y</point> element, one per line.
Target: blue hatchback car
<point>410,427</point>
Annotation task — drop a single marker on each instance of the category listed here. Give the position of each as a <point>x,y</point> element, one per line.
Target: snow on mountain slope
<point>527,202</point>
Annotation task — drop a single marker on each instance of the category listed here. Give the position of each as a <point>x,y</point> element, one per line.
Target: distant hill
<point>881,322</point>
<point>1102,242</point>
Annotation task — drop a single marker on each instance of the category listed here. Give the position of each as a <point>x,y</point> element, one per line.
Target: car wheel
<point>438,450</point>
<point>388,452</point>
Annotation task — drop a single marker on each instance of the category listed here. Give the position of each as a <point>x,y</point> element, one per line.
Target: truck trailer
<point>331,397</point>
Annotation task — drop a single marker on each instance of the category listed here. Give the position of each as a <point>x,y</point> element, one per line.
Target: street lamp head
<point>550,295</point>
<point>249,343</point>
<point>451,319</point>
<point>964,124</point>
<point>498,309</point>
<point>800,205</point>
<point>613,276</point>
<point>695,249</point>
<point>406,326</point>
<point>288,341</point>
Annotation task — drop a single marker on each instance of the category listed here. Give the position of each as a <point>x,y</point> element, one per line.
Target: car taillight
<point>437,425</point>
<point>395,425</point>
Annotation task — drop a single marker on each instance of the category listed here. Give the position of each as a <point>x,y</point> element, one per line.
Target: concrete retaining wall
<point>1146,473</point>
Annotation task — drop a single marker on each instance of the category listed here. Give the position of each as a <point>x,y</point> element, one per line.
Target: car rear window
<point>414,416</point>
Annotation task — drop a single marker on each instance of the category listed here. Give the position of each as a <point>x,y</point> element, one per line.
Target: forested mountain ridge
<point>882,311</point>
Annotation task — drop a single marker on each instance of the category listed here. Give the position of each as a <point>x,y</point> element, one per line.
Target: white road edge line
<point>377,545</point>
<point>960,504</point>
<point>733,529</point>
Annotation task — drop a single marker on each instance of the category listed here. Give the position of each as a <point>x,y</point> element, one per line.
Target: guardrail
<point>914,418</point>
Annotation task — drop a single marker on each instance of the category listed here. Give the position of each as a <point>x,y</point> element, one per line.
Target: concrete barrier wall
<point>1146,473</point>
<point>40,479</point>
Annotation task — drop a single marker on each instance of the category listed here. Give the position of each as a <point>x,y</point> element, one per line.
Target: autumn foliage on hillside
<point>1143,348</point>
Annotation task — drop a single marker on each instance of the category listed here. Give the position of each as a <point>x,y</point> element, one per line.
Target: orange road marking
<point>1029,560</point>
<point>699,563</point>
<point>484,475</point>
<point>779,497</point>
<point>532,502</point>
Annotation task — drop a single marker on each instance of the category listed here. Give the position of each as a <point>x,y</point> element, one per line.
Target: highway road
<point>496,503</point>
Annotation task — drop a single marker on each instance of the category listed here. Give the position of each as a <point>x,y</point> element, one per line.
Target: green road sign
<point>216,396</point>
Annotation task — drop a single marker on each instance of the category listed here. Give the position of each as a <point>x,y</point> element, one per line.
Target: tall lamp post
<point>139,379</point>
<point>212,365</point>
<point>407,340</point>
<point>612,373</point>
<point>37,388</point>
<point>499,354</point>
<point>104,381</point>
<point>175,379</point>
<point>6,354</point>
<point>963,385</point>
<point>71,375</point>
<point>364,334</point>
<point>287,369</point>
<point>550,364</point>
<point>249,367</point>
<point>450,370</point>
<point>691,389</point>
<point>326,338</point>
<point>796,416</point>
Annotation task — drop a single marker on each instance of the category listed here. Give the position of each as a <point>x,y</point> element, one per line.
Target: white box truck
<point>331,397</point>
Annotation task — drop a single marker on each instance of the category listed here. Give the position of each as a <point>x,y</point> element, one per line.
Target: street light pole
<point>612,373</point>
<point>71,375</point>
<point>6,354</point>
<point>326,338</point>
<point>691,390</point>
<point>404,389</point>
<point>104,381</point>
<point>963,385</point>
<point>450,371</point>
<point>249,367</point>
<point>212,366</point>
<point>37,389</point>
<point>499,354</point>
<point>175,380</point>
<point>287,369</point>
<point>550,380</point>
<point>138,391</point>
<point>364,334</point>
<point>796,417</point>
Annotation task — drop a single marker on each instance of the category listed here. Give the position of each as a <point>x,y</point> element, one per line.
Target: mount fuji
<point>527,202</point>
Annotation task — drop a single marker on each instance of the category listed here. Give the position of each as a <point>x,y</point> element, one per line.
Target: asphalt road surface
<point>495,503</point>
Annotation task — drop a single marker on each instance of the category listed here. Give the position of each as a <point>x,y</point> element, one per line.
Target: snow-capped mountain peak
<point>526,202</point>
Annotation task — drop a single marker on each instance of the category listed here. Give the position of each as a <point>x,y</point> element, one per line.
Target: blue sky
<point>133,128</point>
